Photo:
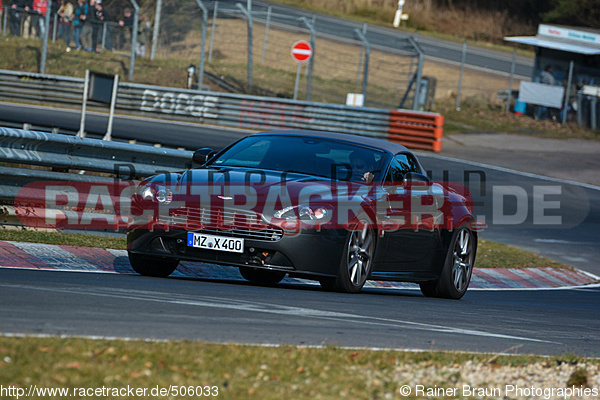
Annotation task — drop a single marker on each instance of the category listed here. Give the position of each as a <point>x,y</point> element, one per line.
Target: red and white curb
<point>89,259</point>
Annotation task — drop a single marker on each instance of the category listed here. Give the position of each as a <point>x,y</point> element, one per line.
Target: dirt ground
<point>337,63</point>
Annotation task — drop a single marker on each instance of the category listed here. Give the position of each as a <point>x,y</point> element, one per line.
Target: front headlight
<point>156,193</point>
<point>303,212</point>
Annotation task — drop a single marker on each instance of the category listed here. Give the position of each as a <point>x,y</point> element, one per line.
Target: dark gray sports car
<point>336,208</point>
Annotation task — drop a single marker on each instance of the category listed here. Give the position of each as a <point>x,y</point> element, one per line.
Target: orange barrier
<point>416,130</point>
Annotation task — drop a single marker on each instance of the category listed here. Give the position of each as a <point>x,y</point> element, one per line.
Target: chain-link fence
<point>251,53</point>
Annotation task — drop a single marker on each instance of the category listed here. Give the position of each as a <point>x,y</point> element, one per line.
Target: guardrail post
<point>367,46</point>
<point>113,102</point>
<point>156,28</point>
<point>249,17</point>
<point>86,83</point>
<point>202,43</point>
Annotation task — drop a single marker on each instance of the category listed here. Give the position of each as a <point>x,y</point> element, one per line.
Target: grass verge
<point>489,254</point>
<point>236,371</point>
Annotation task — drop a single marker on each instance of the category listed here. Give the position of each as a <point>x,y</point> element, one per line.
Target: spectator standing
<point>65,14</point>
<point>17,9</point>
<point>126,23</point>
<point>40,7</point>
<point>142,36</point>
<point>79,19</point>
<point>101,17</point>
<point>547,78</point>
<point>27,19</point>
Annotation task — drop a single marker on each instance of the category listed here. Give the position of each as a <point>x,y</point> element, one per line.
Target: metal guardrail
<point>61,154</point>
<point>215,108</point>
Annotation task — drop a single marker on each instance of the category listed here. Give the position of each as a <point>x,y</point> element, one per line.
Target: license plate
<point>211,242</point>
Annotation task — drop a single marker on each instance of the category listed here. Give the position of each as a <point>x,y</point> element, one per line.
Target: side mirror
<point>415,178</point>
<point>201,156</point>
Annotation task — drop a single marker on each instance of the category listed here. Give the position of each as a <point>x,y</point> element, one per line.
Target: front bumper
<point>309,252</point>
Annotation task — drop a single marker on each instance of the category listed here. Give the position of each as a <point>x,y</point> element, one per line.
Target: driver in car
<point>362,164</point>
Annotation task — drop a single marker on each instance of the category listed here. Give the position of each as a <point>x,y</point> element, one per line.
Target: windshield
<point>306,155</point>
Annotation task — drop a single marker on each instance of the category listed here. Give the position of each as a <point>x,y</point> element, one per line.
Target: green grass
<point>477,115</point>
<point>237,371</point>
<point>489,254</point>
<point>53,237</point>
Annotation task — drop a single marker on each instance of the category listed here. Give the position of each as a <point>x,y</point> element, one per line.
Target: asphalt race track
<point>556,321</point>
<point>110,305</point>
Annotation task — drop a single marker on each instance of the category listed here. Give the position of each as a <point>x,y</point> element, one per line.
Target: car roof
<point>381,144</point>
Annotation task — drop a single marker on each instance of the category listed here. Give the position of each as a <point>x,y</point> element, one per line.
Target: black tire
<point>262,276</point>
<point>356,262</point>
<point>458,267</point>
<point>152,266</point>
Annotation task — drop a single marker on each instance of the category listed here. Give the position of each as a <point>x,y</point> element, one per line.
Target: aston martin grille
<point>226,222</point>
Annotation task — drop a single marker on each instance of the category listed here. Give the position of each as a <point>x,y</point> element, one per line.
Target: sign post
<point>301,52</point>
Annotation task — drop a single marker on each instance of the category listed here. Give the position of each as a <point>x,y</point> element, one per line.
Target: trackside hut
<point>557,46</point>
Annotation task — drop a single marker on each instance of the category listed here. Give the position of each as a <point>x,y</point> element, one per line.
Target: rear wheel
<point>355,265</point>
<point>152,266</point>
<point>458,267</point>
<point>262,276</point>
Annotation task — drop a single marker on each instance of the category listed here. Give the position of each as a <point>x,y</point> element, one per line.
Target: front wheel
<point>458,267</point>
<point>262,276</point>
<point>151,266</point>
<point>355,265</point>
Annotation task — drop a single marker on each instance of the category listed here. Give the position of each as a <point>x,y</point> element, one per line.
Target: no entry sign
<point>301,51</point>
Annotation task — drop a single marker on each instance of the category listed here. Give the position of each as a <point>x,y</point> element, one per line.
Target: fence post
<point>249,17</point>
<point>54,28</point>
<point>364,31</point>
<point>202,43</point>
<point>568,93</point>
<point>45,39</point>
<point>4,19</point>
<point>311,27</point>
<point>510,83</point>
<point>418,75</point>
<point>367,47</point>
<point>134,41</point>
<point>157,14</point>
<point>462,68</point>
<point>212,30</point>
<point>268,23</point>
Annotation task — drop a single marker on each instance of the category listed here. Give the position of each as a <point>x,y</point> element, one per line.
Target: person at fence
<point>143,36</point>
<point>547,78</point>
<point>29,21</point>
<point>99,25</point>
<point>78,22</point>
<point>126,24</point>
<point>40,7</point>
<point>65,14</point>
<point>18,9</point>
<point>86,32</point>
